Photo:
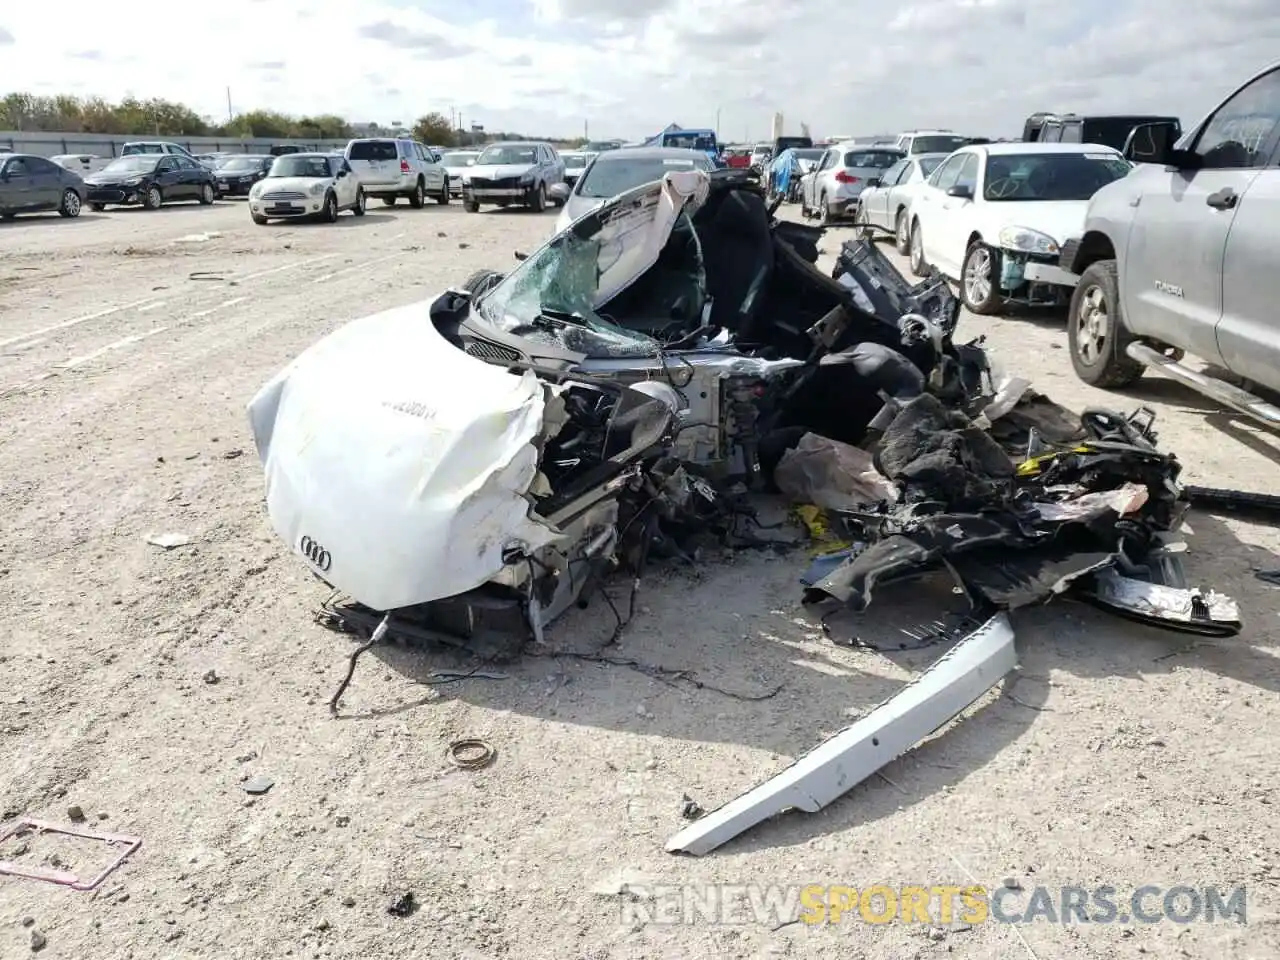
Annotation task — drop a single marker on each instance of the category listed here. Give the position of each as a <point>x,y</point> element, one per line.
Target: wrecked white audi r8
<point>467,468</point>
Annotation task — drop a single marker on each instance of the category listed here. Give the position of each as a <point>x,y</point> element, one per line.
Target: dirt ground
<point>145,685</point>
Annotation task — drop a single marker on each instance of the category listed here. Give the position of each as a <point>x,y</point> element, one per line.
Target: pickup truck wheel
<point>1095,330</point>
<point>980,286</point>
<point>444,193</point>
<point>902,233</point>
<point>419,196</point>
<point>471,206</point>
<point>919,266</point>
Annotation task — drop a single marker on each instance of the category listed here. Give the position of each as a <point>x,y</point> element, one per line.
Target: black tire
<point>97,207</point>
<point>206,194</point>
<point>981,294</point>
<point>538,198</point>
<point>902,233</point>
<point>1097,340</point>
<point>482,281</point>
<point>359,207</point>
<point>389,201</point>
<point>70,206</point>
<point>330,212</point>
<point>919,266</point>
<point>419,196</point>
<point>153,198</point>
<point>444,193</point>
<point>557,203</point>
<point>469,205</point>
<point>259,219</point>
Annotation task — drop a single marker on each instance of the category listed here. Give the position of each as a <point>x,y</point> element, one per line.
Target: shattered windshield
<point>611,176</point>
<point>1051,176</point>
<point>550,297</point>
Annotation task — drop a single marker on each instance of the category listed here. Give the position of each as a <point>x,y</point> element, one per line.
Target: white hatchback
<point>306,185</point>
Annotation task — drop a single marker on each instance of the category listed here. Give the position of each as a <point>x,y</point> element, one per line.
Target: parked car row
<point>1158,247</point>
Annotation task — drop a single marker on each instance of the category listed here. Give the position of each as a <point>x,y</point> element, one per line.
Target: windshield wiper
<point>549,316</point>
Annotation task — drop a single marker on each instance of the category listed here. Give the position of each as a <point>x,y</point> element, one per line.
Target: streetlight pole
<point>717,124</point>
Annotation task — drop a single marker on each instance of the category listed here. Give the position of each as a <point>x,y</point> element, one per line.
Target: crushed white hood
<point>396,465</point>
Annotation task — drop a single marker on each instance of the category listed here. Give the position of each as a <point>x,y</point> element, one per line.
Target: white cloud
<point>630,66</point>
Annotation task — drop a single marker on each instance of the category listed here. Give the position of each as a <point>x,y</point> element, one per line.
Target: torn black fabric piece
<point>940,455</point>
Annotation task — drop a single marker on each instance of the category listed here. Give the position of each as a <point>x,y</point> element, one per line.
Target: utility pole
<point>230,113</point>
<point>717,124</point>
<point>585,134</point>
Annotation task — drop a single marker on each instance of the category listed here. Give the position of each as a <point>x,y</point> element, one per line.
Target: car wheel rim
<point>154,197</point>
<point>977,276</point>
<point>1092,325</point>
<point>72,202</point>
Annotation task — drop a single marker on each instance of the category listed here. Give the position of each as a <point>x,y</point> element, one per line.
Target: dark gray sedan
<point>31,184</point>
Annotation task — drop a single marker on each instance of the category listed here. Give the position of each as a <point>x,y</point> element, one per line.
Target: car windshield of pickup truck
<point>1051,176</point>
<point>940,143</point>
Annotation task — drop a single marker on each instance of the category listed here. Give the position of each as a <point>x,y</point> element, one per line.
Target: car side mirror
<point>1153,143</point>
<point>559,192</point>
<point>873,182</point>
<point>962,191</point>
<point>341,174</point>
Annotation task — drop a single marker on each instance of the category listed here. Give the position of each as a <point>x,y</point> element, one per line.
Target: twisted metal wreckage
<point>466,470</point>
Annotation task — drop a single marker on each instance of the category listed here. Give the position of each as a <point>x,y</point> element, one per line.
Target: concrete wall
<point>104,145</point>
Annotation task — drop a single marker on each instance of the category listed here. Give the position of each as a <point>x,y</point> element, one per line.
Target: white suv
<point>391,167</point>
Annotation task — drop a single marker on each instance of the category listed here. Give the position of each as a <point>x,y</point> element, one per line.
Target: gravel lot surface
<point>144,685</point>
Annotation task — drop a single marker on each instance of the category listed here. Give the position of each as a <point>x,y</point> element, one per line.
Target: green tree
<point>434,127</point>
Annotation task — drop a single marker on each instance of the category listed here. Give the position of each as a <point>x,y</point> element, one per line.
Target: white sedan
<point>886,203</point>
<point>993,217</point>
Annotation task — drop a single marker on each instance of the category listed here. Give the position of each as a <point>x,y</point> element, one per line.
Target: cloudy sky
<point>627,67</point>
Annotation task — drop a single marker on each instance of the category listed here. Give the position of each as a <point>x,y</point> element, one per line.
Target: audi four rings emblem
<point>317,554</point>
